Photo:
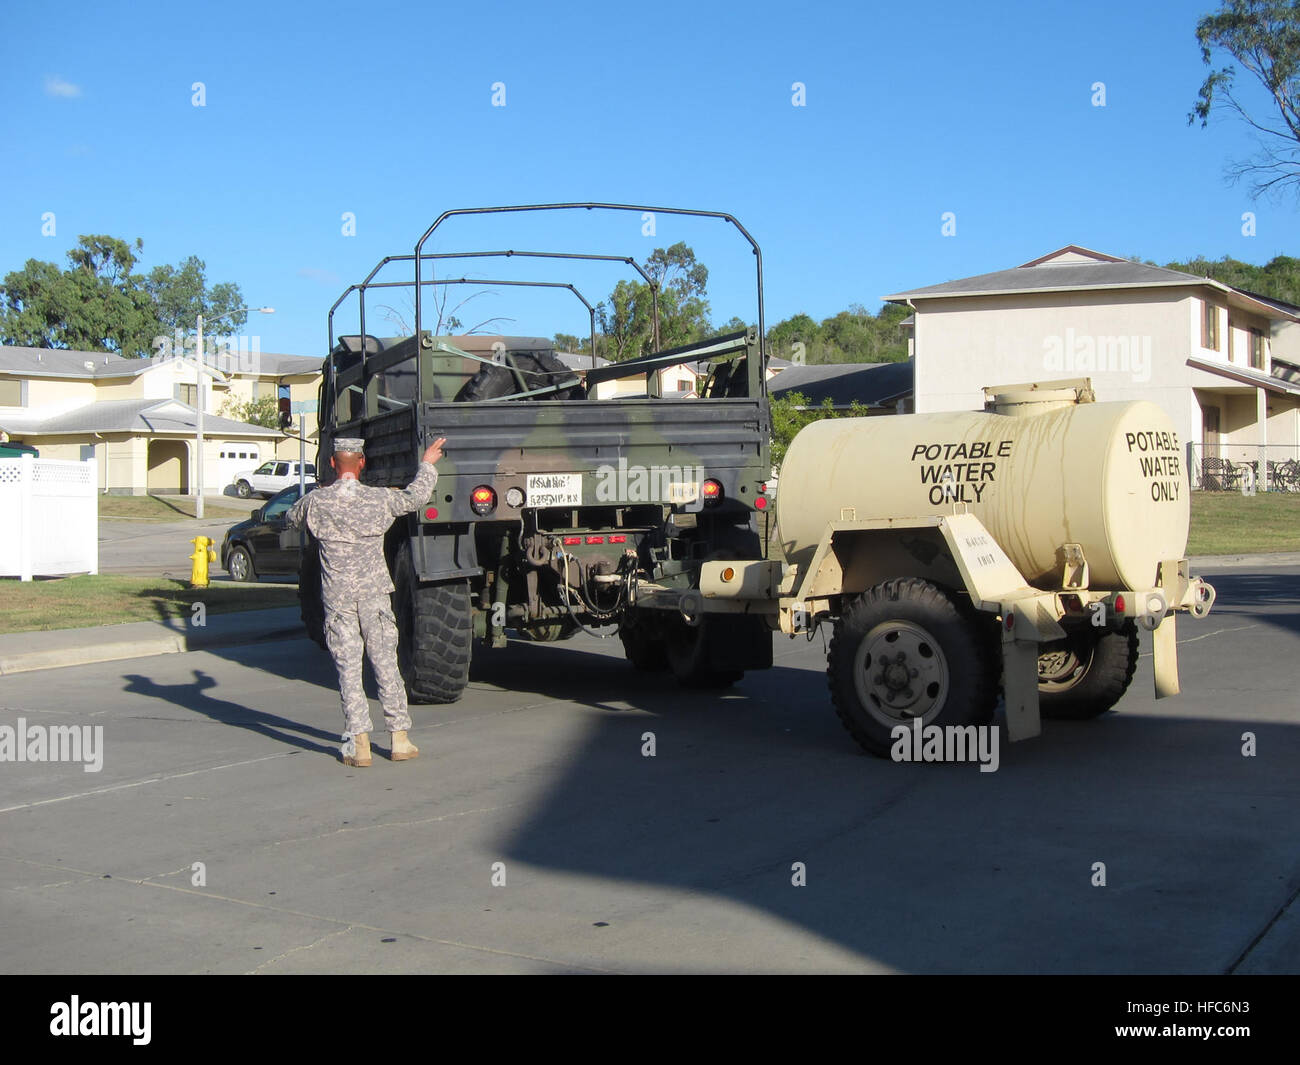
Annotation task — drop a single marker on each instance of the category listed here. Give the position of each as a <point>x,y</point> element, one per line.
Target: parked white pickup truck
<point>271,477</point>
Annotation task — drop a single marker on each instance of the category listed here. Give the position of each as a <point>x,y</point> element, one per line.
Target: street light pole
<point>199,360</point>
<point>198,433</point>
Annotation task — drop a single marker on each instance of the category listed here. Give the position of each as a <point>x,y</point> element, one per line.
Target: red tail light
<point>618,539</point>
<point>571,541</point>
<point>595,539</point>
<point>483,500</point>
<point>431,513</point>
<point>711,491</point>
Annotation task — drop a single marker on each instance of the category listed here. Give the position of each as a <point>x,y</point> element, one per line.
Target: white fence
<point>49,518</point>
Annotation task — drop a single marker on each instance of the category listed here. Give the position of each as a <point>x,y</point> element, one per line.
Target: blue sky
<point>385,110</point>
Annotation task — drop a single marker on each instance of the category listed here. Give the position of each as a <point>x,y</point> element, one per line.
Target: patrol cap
<point>349,443</point>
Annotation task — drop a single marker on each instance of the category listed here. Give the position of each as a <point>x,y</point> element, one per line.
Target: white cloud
<point>56,86</point>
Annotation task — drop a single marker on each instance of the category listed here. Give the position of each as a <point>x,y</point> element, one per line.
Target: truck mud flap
<point>738,641</point>
<point>446,554</point>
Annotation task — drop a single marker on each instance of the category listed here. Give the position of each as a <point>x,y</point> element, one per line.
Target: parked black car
<point>253,548</point>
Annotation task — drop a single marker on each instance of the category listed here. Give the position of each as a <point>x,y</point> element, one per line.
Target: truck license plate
<point>554,490</point>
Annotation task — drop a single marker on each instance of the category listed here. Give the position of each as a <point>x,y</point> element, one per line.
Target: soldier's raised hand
<point>434,451</point>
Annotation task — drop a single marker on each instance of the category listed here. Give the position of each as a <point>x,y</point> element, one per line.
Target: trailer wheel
<point>1087,673</point>
<point>905,650</point>
<point>540,369</point>
<point>310,605</point>
<point>435,628</point>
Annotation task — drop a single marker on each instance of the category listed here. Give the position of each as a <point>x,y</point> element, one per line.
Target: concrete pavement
<point>133,547</point>
<point>533,834</point>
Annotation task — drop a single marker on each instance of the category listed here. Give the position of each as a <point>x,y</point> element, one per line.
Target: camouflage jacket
<point>350,519</point>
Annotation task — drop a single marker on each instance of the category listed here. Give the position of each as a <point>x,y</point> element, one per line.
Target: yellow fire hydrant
<point>204,553</point>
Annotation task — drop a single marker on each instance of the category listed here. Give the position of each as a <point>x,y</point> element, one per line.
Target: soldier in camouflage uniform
<point>350,519</point>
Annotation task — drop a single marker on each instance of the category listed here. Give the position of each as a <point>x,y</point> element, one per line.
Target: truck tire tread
<point>1114,663</point>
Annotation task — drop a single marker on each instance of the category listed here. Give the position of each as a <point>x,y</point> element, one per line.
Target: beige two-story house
<point>137,418</point>
<point>1198,348</point>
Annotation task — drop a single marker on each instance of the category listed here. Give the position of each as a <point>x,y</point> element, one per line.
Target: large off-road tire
<point>1087,673</point>
<point>435,630</point>
<point>906,649</point>
<point>540,369</point>
<point>310,605</point>
<point>643,644</point>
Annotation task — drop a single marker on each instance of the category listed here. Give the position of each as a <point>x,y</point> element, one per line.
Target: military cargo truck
<point>552,506</point>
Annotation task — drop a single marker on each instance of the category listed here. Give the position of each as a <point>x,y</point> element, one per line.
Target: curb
<point>168,641</point>
<point>1279,558</point>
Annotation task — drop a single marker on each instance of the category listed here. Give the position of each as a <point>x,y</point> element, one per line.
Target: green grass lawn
<point>1228,523</point>
<point>71,602</point>
<point>171,508</point>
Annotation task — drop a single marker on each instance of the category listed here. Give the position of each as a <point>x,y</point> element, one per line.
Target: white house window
<point>1256,349</point>
<point>13,393</point>
<point>1210,326</point>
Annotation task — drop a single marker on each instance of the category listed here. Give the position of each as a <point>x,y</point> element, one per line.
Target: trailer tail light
<point>1119,604</point>
<point>482,500</point>
<point>571,541</point>
<point>711,491</point>
<point>595,539</point>
<point>618,539</point>
<point>760,503</point>
<point>431,513</point>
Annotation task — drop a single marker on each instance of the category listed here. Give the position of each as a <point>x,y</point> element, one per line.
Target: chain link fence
<point>1237,467</point>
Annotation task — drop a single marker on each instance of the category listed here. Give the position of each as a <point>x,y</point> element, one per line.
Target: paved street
<point>681,862</point>
<point>162,548</point>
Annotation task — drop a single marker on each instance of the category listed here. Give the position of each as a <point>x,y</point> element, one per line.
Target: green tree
<point>99,302</point>
<point>626,318</point>
<point>791,412</point>
<point>854,335</point>
<point>96,304</point>
<point>181,293</point>
<point>732,325</point>
<point>1264,37</point>
<point>262,411</point>
<point>1279,277</point>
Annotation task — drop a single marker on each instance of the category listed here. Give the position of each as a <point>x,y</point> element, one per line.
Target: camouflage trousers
<point>360,628</point>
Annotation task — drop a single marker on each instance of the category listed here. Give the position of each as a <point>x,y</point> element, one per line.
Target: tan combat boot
<point>403,749</point>
<point>361,744</point>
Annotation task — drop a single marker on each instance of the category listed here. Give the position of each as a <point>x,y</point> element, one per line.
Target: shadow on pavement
<point>195,697</point>
<point>933,868</point>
